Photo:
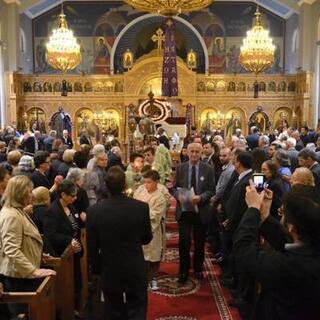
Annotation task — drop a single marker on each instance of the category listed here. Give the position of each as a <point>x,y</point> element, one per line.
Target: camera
<point>259,181</point>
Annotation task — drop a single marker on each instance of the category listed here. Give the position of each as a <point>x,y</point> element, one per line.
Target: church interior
<point>116,70</point>
<point>121,60</point>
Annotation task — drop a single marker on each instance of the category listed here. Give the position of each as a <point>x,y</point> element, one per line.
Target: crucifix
<point>159,38</point>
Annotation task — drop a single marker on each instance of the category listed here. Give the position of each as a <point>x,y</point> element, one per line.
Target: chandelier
<point>257,51</point>
<point>169,8</point>
<point>63,51</point>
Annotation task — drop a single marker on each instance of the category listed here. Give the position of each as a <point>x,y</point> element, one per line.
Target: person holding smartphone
<point>289,275</point>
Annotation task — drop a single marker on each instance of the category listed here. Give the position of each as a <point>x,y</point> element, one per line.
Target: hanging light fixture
<point>257,51</point>
<point>169,8</point>
<point>63,51</point>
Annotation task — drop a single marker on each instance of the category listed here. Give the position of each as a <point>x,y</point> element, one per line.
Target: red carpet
<point>196,300</point>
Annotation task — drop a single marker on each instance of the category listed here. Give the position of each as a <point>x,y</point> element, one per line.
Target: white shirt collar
<point>244,173</point>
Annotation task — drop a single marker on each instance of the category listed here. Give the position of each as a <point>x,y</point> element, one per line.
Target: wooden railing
<point>64,291</point>
<point>41,303</point>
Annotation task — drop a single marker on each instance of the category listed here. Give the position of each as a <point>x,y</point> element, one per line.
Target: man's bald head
<point>194,152</point>
<point>302,176</point>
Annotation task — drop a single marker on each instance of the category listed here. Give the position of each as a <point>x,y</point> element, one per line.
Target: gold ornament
<point>257,51</point>
<point>169,8</point>
<point>63,51</point>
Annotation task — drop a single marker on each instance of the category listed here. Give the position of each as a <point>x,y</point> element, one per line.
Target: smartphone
<point>259,181</point>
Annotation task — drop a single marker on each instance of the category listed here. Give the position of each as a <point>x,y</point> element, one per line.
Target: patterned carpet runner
<point>196,300</point>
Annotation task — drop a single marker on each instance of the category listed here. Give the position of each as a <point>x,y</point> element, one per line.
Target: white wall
<point>26,53</point>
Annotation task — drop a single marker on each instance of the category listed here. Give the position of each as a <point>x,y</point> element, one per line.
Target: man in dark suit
<point>236,204</point>
<point>289,275</point>
<point>28,143</point>
<point>308,159</point>
<point>199,176</point>
<point>85,138</point>
<point>117,229</point>
<point>253,138</point>
<point>235,208</point>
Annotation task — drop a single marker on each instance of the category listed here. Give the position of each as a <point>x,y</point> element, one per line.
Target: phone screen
<point>259,182</point>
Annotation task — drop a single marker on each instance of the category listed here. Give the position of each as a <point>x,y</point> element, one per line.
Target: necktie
<point>194,179</point>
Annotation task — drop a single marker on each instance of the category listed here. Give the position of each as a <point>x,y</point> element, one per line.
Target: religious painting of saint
<point>233,122</point>
<point>47,87</point>
<point>36,120</point>
<point>37,87</point>
<point>201,87</point>
<point>111,123</point>
<point>233,64</point>
<point>241,86</point>
<point>231,86</point>
<point>262,86</point>
<point>41,56</point>
<point>84,119</point>
<point>127,59</point>
<point>218,57</point>
<point>102,57</point>
<point>282,118</point>
<point>259,121</point>
<point>272,86</point>
<point>209,121</point>
<point>192,60</point>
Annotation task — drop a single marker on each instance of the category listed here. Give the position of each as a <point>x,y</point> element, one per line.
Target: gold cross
<point>158,37</point>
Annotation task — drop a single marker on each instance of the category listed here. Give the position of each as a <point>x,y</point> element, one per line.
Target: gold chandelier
<point>63,51</point>
<point>257,51</point>
<point>169,8</point>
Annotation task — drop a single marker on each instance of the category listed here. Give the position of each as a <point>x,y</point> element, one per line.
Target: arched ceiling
<point>282,8</point>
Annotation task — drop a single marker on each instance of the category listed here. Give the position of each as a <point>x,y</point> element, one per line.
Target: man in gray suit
<point>199,176</point>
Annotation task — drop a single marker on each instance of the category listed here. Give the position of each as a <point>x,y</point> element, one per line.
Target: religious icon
<point>260,122</point>
<point>41,56</point>
<point>192,60</point>
<point>208,123</point>
<point>47,87</point>
<point>272,86</point>
<point>201,87</point>
<point>127,59</point>
<point>102,57</point>
<point>231,86</point>
<point>282,119</point>
<point>233,124</point>
<point>37,87</point>
<point>218,57</point>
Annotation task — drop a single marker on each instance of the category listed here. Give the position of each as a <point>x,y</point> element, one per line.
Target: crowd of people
<point>265,240</point>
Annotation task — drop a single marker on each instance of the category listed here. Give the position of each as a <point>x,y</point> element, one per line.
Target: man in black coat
<point>253,138</point>
<point>117,229</point>
<point>199,176</point>
<point>288,275</point>
<point>308,159</point>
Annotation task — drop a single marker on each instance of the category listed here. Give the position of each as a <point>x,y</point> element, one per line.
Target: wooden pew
<point>84,270</point>
<point>41,303</point>
<point>64,289</point>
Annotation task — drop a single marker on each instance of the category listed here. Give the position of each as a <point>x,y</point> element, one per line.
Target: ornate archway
<point>193,34</point>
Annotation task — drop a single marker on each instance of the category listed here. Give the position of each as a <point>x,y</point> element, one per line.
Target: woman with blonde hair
<point>20,241</point>
<point>41,202</point>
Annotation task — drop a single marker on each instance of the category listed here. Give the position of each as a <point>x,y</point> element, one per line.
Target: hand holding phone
<point>259,181</point>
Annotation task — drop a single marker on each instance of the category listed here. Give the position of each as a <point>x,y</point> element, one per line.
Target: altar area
<point>100,102</point>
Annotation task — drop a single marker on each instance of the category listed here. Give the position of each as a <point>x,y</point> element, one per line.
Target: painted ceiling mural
<point>97,26</point>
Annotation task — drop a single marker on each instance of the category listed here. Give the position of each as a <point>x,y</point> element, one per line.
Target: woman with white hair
<point>81,204</point>
<point>97,149</point>
<point>25,167</point>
